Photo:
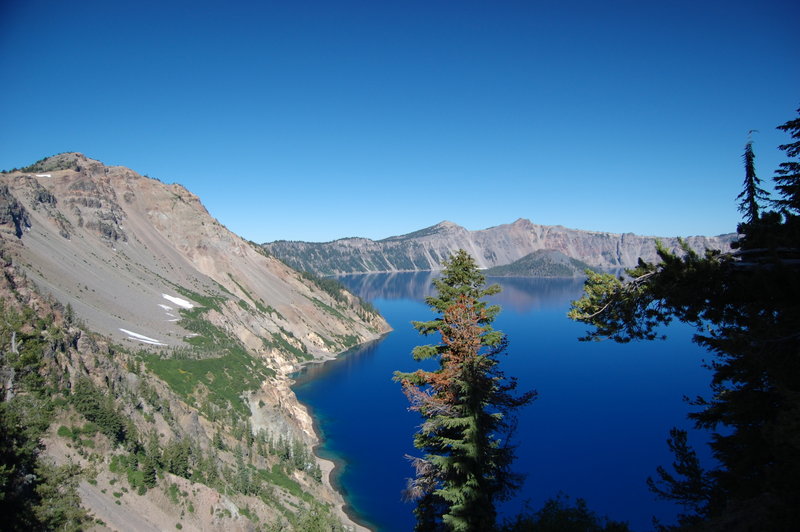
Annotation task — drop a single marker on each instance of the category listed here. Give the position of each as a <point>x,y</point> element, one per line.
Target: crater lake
<point>596,431</point>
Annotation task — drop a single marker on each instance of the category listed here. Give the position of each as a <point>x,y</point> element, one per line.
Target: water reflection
<point>521,294</point>
<point>397,285</point>
<point>346,362</point>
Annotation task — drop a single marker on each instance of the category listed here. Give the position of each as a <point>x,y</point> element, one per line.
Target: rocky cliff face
<point>213,323</point>
<point>495,246</point>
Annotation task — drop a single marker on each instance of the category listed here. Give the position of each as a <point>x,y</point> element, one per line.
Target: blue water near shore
<point>597,430</point>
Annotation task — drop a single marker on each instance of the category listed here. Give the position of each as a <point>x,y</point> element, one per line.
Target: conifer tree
<point>467,407</point>
<point>745,306</point>
<point>752,191</point>
<point>787,176</point>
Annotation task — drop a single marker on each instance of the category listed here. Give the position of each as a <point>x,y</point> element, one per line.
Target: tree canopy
<point>745,305</point>
<point>467,407</point>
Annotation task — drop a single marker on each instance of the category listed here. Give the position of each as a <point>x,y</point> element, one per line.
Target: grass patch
<point>203,300</point>
<point>217,361</point>
<point>348,340</point>
<point>172,491</point>
<point>279,341</point>
<point>278,478</point>
<point>225,377</point>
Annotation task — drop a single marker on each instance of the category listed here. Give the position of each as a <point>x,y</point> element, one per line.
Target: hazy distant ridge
<point>496,246</point>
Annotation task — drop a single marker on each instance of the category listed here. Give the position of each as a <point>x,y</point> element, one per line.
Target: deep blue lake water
<point>597,430</point>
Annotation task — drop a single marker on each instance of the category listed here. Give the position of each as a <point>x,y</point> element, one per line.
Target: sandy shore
<point>328,467</point>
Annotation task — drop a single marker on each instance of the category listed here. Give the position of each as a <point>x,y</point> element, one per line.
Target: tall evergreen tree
<point>745,306</point>
<point>787,176</point>
<point>752,191</point>
<point>467,405</point>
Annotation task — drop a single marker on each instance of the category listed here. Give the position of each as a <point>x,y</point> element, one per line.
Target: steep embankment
<point>199,331</point>
<point>495,246</point>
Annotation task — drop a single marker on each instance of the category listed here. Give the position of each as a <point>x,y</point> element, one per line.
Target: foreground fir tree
<point>467,407</point>
<point>752,192</point>
<point>746,308</point>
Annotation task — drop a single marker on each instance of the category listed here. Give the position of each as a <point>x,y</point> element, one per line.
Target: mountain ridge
<point>425,249</point>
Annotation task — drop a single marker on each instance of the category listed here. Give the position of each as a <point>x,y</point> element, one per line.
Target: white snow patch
<point>178,301</point>
<point>43,175</point>
<point>148,341</point>
<point>142,338</point>
<point>165,307</point>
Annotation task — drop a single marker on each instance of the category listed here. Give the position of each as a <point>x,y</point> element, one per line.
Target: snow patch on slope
<point>178,301</point>
<point>141,338</point>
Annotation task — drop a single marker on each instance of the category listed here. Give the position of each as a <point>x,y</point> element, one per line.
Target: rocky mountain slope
<point>495,246</point>
<point>190,332</point>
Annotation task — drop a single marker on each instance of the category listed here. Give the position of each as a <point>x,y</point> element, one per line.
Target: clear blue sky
<point>320,120</point>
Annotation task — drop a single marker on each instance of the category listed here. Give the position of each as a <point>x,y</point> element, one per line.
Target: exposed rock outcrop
<point>496,246</point>
<point>211,326</point>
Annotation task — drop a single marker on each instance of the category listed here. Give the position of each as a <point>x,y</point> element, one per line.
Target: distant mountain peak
<point>447,224</point>
<point>428,248</point>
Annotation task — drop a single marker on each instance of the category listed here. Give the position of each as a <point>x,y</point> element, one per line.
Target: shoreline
<point>332,467</point>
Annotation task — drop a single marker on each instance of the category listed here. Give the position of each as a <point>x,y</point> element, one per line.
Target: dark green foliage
<point>787,176</point>
<point>51,163</point>
<point>226,370</point>
<point>337,291</point>
<point>746,309</point>
<point>26,339</point>
<point>690,486</point>
<point>318,518</point>
<point>558,515</point>
<point>752,191</point>
<point>280,341</point>
<point>176,458</point>
<point>99,408</point>
<point>467,406</point>
<point>149,467</point>
<point>19,449</point>
<point>278,477</point>
<point>225,377</point>
<point>217,361</point>
<point>33,494</point>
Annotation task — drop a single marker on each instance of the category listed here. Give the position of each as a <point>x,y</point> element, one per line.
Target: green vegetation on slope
<point>217,368</point>
<point>108,423</point>
<point>34,495</point>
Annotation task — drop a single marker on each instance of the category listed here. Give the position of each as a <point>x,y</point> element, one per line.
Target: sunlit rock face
<point>495,246</point>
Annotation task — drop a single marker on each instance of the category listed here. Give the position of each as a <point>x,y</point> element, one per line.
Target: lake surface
<point>597,430</point>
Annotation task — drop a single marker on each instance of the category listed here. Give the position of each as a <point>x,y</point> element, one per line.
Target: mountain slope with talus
<point>424,250</point>
<point>191,331</point>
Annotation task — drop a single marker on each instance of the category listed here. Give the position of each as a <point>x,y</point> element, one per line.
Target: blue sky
<point>320,120</point>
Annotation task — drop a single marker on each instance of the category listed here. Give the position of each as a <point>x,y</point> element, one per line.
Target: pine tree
<point>745,306</point>
<point>752,191</point>
<point>787,178</point>
<point>466,404</point>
